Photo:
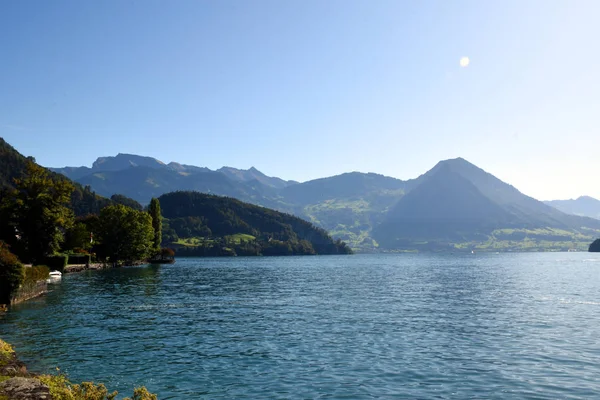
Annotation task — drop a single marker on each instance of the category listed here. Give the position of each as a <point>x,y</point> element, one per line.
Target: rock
<point>11,366</point>
<point>25,389</point>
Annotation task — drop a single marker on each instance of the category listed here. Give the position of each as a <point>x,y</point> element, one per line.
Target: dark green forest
<point>222,224</point>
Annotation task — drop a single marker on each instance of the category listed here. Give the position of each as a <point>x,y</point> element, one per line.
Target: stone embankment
<point>29,291</point>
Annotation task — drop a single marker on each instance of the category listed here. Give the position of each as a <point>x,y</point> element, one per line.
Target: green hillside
<point>13,164</point>
<point>201,224</point>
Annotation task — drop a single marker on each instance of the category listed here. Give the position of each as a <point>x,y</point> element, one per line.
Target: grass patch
<point>192,241</point>
<point>201,241</point>
<point>240,237</point>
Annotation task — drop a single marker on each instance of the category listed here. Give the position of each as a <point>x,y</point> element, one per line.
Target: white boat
<point>55,276</point>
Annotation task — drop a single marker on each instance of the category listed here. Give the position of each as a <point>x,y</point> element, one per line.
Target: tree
<point>125,234</point>
<point>595,246</point>
<point>78,237</point>
<point>11,273</point>
<point>39,211</point>
<point>126,201</point>
<point>154,210</point>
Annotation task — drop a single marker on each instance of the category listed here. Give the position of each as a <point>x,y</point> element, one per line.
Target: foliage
<point>11,274</point>
<point>78,237</point>
<point>36,273</point>
<point>79,259</point>
<point>166,252</point>
<point>141,393</point>
<point>57,262</point>
<point>62,389</point>
<point>13,165</point>
<point>154,211</point>
<point>6,352</point>
<point>39,211</point>
<point>595,246</point>
<point>91,391</point>
<point>125,234</point>
<point>84,200</point>
<point>126,201</point>
<point>59,385</point>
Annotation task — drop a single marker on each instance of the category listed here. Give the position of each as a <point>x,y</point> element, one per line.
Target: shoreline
<point>17,383</point>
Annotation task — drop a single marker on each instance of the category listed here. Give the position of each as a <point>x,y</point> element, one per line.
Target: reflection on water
<point>365,326</point>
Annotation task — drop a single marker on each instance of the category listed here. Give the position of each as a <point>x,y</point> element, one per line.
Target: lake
<point>340,327</point>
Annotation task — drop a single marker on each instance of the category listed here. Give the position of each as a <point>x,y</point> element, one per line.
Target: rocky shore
<point>17,383</point>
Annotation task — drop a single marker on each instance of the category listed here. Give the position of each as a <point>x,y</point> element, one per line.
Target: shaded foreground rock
<point>20,388</point>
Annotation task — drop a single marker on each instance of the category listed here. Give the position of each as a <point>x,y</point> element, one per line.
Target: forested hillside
<point>13,165</point>
<point>203,223</point>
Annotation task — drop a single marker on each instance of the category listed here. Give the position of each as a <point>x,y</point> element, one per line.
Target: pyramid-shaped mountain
<point>457,202</point>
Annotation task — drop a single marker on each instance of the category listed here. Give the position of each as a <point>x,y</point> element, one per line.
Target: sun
<point>464,61</point>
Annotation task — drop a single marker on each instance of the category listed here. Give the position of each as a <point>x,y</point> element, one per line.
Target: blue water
<point>364,326</point>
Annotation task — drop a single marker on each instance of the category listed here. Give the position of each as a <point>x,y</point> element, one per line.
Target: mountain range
<point>196,223</point>
<point>453,205</point>
<point>584,206</point>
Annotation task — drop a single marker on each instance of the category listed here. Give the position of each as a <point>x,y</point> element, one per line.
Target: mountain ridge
<point>586,206</point>
<point>361,208</point>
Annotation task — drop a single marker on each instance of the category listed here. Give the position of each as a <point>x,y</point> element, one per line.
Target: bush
<point>142,393</point>
<point>57,262</point>
<point>79,259</point>
<point>167,252</point>
<point>36,273</point>
<point>11,273</point>
<point>62,389</point>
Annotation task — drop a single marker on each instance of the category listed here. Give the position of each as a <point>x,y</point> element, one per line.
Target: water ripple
<point>368,326</point>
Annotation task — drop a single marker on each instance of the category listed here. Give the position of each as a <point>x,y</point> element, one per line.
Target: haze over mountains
<point>585,206</point>
<point>453,204</point>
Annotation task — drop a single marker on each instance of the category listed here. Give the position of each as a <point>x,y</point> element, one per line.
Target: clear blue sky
<point>303,89</point>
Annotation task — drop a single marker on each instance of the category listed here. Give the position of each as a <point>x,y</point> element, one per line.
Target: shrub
<point>142,393</point>
<point>36,273</point>
<point>6,352</point>
<point>62,389</point>
<point>57,262</point>
<point>167,252</point>
<point>11,273</point>
<point>91,391</point>
<point>79,259</point>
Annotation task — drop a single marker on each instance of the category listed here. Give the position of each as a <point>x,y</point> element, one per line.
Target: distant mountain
<point>454,205</point>
<point>202,224</point>
<point>187,168</point>
<point>118,163</point>
<point>143,183</point>
<point>584,206</point>
<point>444,206</point>
<point>142,178</point>
<point>347,205</point>
<point>458,203</point>
<point>13,164</point>
<point>248,175</point>
<point>348,185</point>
